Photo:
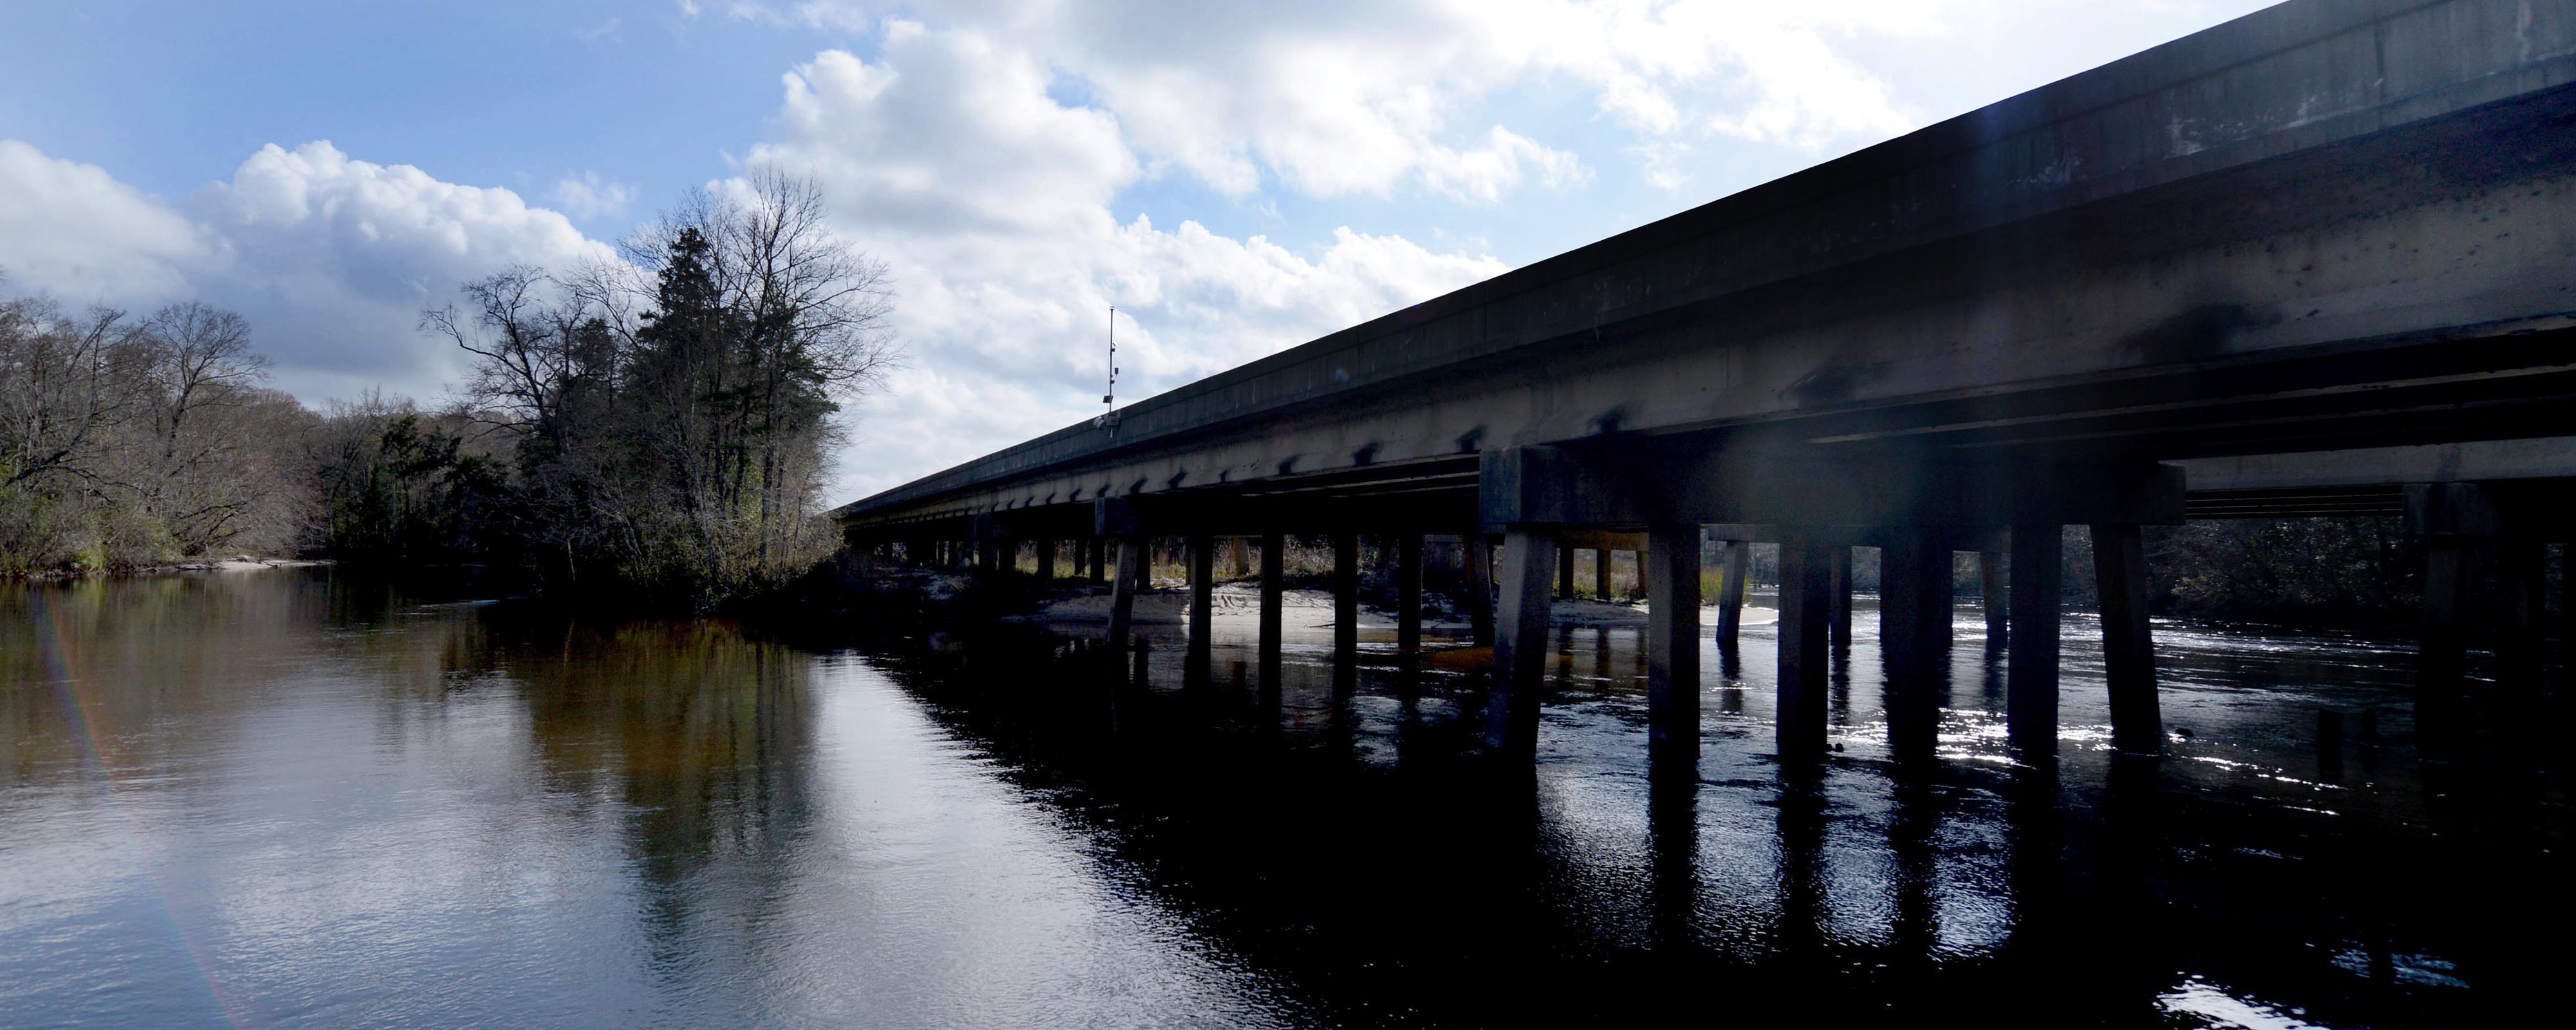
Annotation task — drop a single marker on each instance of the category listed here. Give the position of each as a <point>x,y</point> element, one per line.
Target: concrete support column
<point>1564,572</point>
<point>2522,573</point>
<point>2030,665</point>
<point>1274,568</point>
<point>1990,588</point>
<point>1671,572</point>
<point>1408,594</point>
<point>1122,591</point>
<point>1046,560</point>
<point>1202,595</point>
<point>2441,658</point>
<point>2567,610</point>
<point>1601,574</point>
<point>1838,591</point>
<point>2128,647</point>
<point>1144,571</point>
<point>1735,559</point>
<point>1520,642</point>
<point>1346,604</point>
<point>1242,566</point>
<point>1480,589</point>
<point>1914,630</point>
<point>1805,578</point>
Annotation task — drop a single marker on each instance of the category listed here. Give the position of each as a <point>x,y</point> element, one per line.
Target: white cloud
<point>1360,99</point>
<point>72,229</point>
<point>990,201</point>
<point>331,258</point>
<point>587,196</point>
<point>1507,159</point>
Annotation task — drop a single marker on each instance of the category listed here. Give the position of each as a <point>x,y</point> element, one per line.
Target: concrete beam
<point>1802,487</point>
<point>2471,461</point>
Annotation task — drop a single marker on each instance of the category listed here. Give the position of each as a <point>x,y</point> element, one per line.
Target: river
<point>313,797</point>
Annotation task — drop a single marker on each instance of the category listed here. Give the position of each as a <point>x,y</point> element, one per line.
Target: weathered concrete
<point>2030,658</point>
<point>1274,573</point>
<point>1838,595</point>
<point>1730,588</point>
<point>1914,609</point>
<point>1408,595</point>
<point>2128,651</point>
<point>1671,571</point>
<point>1803,649</point>
<point>1202,595</point>
<point>1991,590</point>
<point>1480,589</point>
<point>1122,593</point>
<point>1520,642</point>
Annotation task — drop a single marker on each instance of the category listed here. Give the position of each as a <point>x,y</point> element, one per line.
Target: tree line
<point>654,427</point>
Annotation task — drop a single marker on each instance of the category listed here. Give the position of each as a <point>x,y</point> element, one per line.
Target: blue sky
<point>1238,177</point>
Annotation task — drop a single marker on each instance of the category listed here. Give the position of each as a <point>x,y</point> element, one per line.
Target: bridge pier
<point>2030,658</point>
<point>2128,646</point>
<point>1805,580</point>
<point>1202,600</point>
<point>1914,610</point>
<point>1734,558</point>
<point>2452,519</point>
<point>1838,595</point>
<point>2521,580</point>
<point>1122,591</point>
<point>1346,611</point>
<point>1991,591</point>
<point>1480,588</point>
<point>1274,568</point>
<point>1046,560</point>
<point>1408,594</point>
<point>1601,573</point>
<point>1521,641</point>
<point>1564,572</point>
<point>1670,569</point>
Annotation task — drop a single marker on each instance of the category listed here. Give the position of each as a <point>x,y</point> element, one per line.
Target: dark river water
<point>310,798</point>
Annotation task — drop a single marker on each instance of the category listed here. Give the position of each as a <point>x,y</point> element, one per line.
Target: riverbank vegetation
<point>655,429</point>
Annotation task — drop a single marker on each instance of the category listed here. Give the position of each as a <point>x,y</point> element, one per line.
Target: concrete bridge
<point>2318,260</point>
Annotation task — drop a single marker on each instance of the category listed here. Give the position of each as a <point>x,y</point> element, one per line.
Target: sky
<point>1237,178</point>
